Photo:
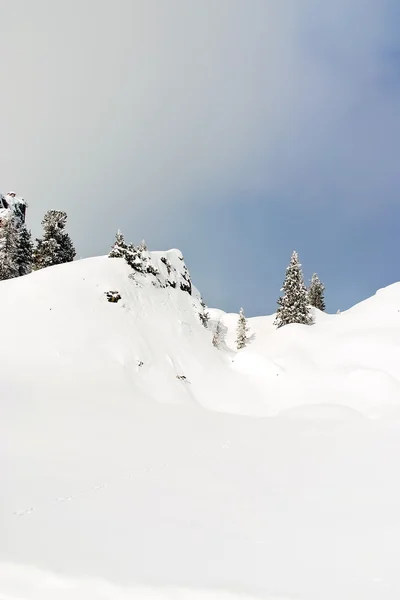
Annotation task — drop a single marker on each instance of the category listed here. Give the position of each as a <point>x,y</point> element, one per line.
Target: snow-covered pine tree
<point>24,251</point>
<point>136,258</point>
<point>218,336</point>
<point>55,247</point>
<point>9,242</point>
<point>119,247</point>
<point>293,304</point>
<point>316,293</point>
<point>242,331</point>
<point>139,258</point>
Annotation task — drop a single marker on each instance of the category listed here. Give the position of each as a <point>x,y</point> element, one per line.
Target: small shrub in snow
<point>293,305</point>
<point>113,296</point>
<point>316,293</point>
<point>204,315</point>
<point>167,264</point>
<point>181,377</point>
<point>151,269</point>
<point>242,331</point>
<point>186,283</point>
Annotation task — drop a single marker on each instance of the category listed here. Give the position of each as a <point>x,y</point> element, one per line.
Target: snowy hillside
<point>136,462</point>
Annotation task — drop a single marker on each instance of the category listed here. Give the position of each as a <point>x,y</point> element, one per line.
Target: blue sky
<point>236,130</point>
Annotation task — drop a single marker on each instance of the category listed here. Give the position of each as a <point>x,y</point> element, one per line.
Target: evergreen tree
<point>25,251</point>
<point>139,258</point>
<point>316,293</point>
<point>119,247</point>
<point>9,242</point>
<point>55,247</point>
<point>218,336</point>
<point>136,258</point>
<point>293,304</point>
<point>242,331</point>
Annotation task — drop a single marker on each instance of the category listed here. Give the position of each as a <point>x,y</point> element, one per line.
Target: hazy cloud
<point>120,111</point>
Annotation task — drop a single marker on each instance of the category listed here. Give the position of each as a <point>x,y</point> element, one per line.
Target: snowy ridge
<point>153,336</point>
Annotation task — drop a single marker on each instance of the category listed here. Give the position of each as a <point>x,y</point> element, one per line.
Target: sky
<point>235,130</point>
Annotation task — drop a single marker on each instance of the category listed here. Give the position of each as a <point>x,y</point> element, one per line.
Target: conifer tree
<point>293,304</point>
<point>218,335</point>
<point>316,293</point>
<point>119,247</point>
<point>242,331</point>
<point>136,258</point>
<point>139,258</point>
<point>9,242</point>
<point>24,251</point>
<point>55,247</point>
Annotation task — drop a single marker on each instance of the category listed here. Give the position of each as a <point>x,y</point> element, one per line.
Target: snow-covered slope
<point>134,456</point>
<point>350,359</point>
<point>59,332</point>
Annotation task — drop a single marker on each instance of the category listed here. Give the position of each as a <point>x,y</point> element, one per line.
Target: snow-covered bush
<point>204,315</point>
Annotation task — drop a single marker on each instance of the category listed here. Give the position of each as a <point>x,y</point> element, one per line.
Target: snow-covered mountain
<point>136,456</point>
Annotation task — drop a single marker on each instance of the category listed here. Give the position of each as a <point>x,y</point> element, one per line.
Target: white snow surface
<point>266,473</point>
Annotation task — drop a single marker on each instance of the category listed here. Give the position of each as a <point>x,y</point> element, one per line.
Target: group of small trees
<point>19,256</point>
<point>242,331</point>
<point>294,306</point>
<point>137,257</point>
